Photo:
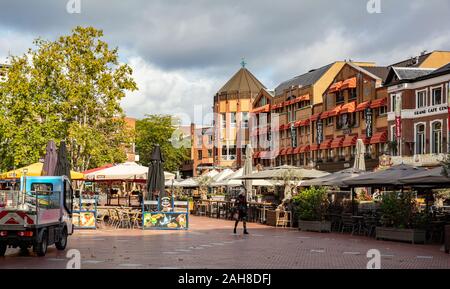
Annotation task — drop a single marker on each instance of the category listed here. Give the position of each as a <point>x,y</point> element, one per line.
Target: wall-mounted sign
<point>430,110</point>
<point>369,122</point>
<point>319,131</point>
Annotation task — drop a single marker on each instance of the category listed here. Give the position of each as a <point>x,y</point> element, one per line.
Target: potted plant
<point>400,220</point>
<point>259,198</point>
<point>311,209</point>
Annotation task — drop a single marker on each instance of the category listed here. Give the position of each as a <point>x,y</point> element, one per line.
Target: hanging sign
<point>369,121</point>
<point>319,131</point>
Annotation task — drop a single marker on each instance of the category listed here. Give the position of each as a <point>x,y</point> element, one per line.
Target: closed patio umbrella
<point>155,180</point>
<point>360,162</point>
<point>51,157</point>
<point>62,164</point>
<point>248,169</point>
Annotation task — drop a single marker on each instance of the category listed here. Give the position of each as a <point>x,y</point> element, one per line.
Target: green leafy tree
<point>312,204</point>
<point>159,129</point>
<point>69,89</point>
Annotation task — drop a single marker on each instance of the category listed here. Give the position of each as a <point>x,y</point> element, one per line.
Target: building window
<point>233,119</point>
<point>210,153</point>
<point>291,114</point>
<point>420,139</point>
<point>329,121</point>
<point>436,96</point>
<point>245,119</point>
<point>223,120</point>
<point>200,155</point>
<point>393,102</point>
<point>352,93</point>
<point>382,111</point>
<point>421,99</point>
<point>436,137</point>
<point>339,97</point>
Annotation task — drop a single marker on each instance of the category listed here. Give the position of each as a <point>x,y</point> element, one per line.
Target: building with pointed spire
<point>232,106</point>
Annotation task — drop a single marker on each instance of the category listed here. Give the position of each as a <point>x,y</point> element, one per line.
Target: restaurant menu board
<point>85,213</point>
<point>160,220</point>
<point>165,214</point>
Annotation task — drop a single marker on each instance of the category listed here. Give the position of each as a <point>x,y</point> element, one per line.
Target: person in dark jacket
<point>241,207</point>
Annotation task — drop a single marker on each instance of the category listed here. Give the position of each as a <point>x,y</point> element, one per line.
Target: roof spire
<point>243,63</point>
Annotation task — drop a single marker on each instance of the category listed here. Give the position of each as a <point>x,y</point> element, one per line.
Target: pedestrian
<point>241,212</point>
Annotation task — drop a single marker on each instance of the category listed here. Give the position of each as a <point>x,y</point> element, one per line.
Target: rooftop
<point>242,81</point>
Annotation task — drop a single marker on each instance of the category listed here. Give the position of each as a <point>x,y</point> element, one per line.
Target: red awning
<point>262,109</point>
<point>350,140</point>
<point>335,87</point>
<point>335,111</point>
<point>337,142</point>
<point>314,147</point>
<point>282,152</point>
<point>365,140</point>
<point>264,154</point>
<point>256,155</point>
<point>363,106</point>
<point>304,149</point>
<point>289,151</point>
<point>326,144</point>
<point>325,115</point>
<point>315,117</point>
<point>379,103</point>
<point>349,107</point>
<point>379,137</point>
<point>277,106</point>
<point>297,150</point>
<point>349,83</point>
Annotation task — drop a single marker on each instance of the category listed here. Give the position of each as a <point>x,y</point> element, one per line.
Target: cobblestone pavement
<point>209,243</point>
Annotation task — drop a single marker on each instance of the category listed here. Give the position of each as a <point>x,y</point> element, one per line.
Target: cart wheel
<point>62,243</point>
<point>2,250</point>
<point>41,247</point>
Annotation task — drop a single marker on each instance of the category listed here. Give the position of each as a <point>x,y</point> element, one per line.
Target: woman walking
<point>241,207</point>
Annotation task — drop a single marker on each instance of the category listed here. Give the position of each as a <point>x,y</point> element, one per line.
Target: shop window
<point>382,111</point>
<point>339,97</point>
<point>352,94</point>
<point>233,119</point>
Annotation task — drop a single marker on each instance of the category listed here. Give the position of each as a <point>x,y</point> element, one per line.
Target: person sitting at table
<point>242,207</point>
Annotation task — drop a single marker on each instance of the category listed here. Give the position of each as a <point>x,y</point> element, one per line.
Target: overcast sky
<point>183,51</point>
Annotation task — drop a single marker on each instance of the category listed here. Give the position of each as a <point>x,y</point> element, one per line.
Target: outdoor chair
<point>136,219</point>
<point>283,219</point>
<point>124,219</point>
<point>113,218</point>
<point>370,225</point>
<point>347,223</point>
<point>101,216</point>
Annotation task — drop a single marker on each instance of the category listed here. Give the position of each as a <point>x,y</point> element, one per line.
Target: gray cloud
<point>201,41</point>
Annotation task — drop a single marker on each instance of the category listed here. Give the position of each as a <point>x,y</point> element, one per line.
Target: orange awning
<point>349,83</point>
<point>277,106</point>
<point>349,107</point>
<point>262,109</point>
<point>380,137</point>
<point>326,144</point>
<point>302,123</point>
<point>363,106</point>
<point>335,87</point>
<point>325,115</point>
<point>335,111</point>
<point>350,140</point>
<point>379,103</point>
<point>337,142</point>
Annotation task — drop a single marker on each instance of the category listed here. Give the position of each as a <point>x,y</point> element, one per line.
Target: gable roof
<point>413,61</point>
<point>380,71</point>
<point>306,79</point>
<point>242,81</point>
<point>406,74</point>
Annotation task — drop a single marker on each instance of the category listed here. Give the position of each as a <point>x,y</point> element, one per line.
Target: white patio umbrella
<point>248,169</point>
<point>360,163</point>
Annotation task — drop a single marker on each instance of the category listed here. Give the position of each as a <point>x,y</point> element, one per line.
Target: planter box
<point>447,239</point>
<point>407,235</point>
<point>314,226</point>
